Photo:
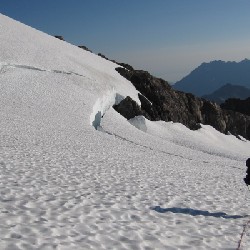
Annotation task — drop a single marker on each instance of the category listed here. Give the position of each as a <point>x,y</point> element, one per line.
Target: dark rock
<point>241,106</point>
<point>165,103</point>
<point>125,65</point>
<point>148,107</point>
<point>247,179</point>
<point>195,126</point>
<point>85,48</point>
<point>159,101</point>
<point>60,38</point>
<point>128,108</point>
<point>213,115</point>
<point>237,123</point>
<point>248,162</point>
<point>103,56</point>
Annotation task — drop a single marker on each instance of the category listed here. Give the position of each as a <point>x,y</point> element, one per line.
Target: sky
<point>168,38</point>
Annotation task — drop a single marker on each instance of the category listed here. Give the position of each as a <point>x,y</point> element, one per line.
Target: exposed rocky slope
<point>228,91</point>
<point>159,101</point>
<point>242,106</point>
<point>208,77</point>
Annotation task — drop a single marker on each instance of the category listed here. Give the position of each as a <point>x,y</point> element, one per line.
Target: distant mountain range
<point>209,77</point>
<point>228,91</point>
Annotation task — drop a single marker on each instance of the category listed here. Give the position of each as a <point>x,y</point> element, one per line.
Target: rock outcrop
<point>84,47</point>
<point>159,101</point>
<point>60,38</point>
<point>79,46</point>
<point>234,104</point>
<point>128,108</point>
<point>125,65</point>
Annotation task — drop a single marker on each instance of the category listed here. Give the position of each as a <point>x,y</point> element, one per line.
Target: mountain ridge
<point>208,77</point>
<point>228,91</point>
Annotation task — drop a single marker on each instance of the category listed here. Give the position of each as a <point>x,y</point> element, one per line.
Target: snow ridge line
<point>4,67</point>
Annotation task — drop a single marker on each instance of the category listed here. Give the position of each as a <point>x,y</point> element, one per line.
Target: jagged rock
<point>128,108</point>
<point>151,112</point>
<point>241,106</point>
<point>213,115</point>
<point>237,123</point>
<point>60,38</point>
<point>166,104</point>
<point>84,47</point>
<point>125,65</point>
<point>103,56</point>
<point>159,101</point>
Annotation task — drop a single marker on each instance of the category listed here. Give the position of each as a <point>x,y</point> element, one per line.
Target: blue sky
<point>169,38</point>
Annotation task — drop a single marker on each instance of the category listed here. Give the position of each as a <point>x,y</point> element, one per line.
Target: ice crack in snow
<point>140,145</point>
<point>4,67</point>
<point>152,149</point>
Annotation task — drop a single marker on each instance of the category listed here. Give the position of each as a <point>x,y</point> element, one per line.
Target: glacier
<point>75,174</point>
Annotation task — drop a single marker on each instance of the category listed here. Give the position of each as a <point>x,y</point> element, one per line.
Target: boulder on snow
<point>125,65</point>
<point>60,38</point>
<point>84,47</point>
<point>248,162</point>
<point>128,108</point>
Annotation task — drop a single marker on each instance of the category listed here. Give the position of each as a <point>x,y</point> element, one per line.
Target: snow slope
<point>127,185</point>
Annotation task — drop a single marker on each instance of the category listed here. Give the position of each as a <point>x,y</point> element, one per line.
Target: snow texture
<point>127,185</point>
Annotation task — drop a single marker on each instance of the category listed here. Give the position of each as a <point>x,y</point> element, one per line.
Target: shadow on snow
<point>195,212</point>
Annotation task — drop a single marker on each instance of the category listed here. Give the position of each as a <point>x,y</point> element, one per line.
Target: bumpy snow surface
<point>74,174</point>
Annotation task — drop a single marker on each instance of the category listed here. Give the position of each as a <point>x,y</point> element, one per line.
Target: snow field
<point>103,197</point>
<point>66,185</point>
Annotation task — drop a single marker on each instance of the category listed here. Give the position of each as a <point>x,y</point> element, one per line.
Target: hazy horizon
<point>168,38</point>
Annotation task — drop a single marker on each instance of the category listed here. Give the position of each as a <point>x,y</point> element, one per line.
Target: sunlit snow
<point>75,174</point>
